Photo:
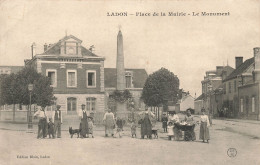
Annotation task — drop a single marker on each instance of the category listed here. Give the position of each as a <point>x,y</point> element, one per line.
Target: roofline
<point>234,77</point>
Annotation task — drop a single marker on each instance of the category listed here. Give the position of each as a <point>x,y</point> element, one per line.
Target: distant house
<point>10,69</point>
<point>187,102</point>
<point>212,81</point>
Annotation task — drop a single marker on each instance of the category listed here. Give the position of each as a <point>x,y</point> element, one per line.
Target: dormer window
<point>71,48</point>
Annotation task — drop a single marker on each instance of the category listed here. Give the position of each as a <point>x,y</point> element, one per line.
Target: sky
<point>187,46</point>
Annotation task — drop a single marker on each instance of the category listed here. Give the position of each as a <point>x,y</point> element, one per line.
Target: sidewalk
<point>239,120</point>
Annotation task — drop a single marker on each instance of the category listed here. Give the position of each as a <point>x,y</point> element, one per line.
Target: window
<point>91,103</point>
<point>224,88</point>
<point>71,104</point>
<point>91,79</point>
<point>241,105</point>
<point>71,78</point>
<point>253,104</point>
<point>235,86</point>
<point>229,87</point>
<point>128,79</point>
<point>51,73</point>
<point>71,48</point>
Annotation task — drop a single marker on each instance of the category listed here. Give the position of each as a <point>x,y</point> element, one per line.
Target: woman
<point>204,124</point>
<point>84,123</point>
<point>189,135</point>
<point>146,123</point>
<point>109,121</point>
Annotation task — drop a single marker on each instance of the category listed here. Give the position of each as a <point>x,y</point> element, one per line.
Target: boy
<point>164,122</point>
<point>119,124</point>
<point>51,128</point>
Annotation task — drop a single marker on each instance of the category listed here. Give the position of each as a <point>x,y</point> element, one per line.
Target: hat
<point>58,106</point>
<point>83,105</point>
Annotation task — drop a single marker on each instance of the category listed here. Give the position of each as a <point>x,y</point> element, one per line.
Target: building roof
<point>201,97</point>
<point>241,68</point>
<point>14,69</point>
<point>139,77</point>
<point>55,48</point>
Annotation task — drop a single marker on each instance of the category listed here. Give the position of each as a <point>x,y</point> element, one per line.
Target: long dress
<point>109,121</point>
<point>204,130</point>
<point>84,125</point>
<point>189,135</point>
<point>146,126</point>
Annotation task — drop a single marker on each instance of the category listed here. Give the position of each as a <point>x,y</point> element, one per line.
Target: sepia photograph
<point>140,82</point>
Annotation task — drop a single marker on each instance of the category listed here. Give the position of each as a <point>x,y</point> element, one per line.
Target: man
<point>57,117</point>
<point>84,131</point>
<point>146,123</point>
<point>42,123</point>
<point>109,121</point>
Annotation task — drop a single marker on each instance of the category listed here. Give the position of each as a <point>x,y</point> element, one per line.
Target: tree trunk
<point>158,111</point>
<point>13,112</point>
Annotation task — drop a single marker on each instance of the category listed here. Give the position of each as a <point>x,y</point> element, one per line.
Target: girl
<point>90,126</point>
<point>170,131</point>
<point>133,129</point>
<point>204,124</point>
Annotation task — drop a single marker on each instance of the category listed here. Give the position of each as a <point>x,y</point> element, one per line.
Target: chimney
<point>257,64</point>
<point>219,70</point>
<point>45,47</point>
<point>33,49</point>
<point>92,48</point>
<point>239,61</point>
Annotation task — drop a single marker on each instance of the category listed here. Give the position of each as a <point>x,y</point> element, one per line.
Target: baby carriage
<point>188,129</point>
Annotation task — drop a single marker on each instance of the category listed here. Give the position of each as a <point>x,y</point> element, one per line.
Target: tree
<point>14,89</point>
<point>160,87</point>
<point>43,92</point>
<point>10,91</point>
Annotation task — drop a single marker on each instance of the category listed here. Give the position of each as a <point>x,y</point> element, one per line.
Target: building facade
<point>212,81</point>
<point>78,77</point>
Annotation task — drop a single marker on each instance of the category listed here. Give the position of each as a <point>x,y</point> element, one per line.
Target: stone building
<point>249,89</point>
<point>212,81</point>
<point>78,77</point>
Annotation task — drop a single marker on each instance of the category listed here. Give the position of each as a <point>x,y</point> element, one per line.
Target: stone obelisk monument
<point>120,74</point>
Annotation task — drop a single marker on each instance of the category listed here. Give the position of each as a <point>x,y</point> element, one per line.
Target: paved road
<point>127,150</point>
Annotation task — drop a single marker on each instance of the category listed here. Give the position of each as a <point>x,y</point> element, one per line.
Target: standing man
<point>84,131</point>
<point>57,117</point>
<point>146,123</point>
<point>109,121</point>
<point>42,123</point>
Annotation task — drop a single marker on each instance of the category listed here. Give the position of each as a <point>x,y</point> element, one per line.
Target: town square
<point>107,82</point>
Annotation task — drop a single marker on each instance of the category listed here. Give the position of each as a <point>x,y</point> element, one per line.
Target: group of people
<point>51,127</point>
<point>173,126</point>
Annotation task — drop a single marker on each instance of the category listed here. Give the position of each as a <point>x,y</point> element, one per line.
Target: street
<point>243,136</point>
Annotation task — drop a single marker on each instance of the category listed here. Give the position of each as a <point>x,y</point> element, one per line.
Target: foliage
<point>9,89</point>
<point>14,88</point>
<point>160,87</point>
<point>121,97</point>
<point>43,92</point>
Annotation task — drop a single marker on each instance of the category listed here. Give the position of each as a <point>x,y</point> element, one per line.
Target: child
<point>90,126</point>
<point>51,128</point>
<point>204,130</point>
<point>170,131</point>
<point>164,122</point>
<point>133,129</point>
<point>119,124</point>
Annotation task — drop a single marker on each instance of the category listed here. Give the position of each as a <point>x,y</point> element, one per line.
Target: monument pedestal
<point>121,110</point>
